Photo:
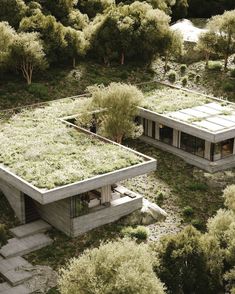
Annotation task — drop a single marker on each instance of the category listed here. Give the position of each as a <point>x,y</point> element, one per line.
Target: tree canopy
<point>115,267</point>
<point>119,102</point>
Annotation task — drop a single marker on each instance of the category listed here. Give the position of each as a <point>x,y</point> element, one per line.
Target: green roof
<point>166,99</point>
<point>44,151</point>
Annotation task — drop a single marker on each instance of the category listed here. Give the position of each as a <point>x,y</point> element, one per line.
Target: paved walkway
<point>15,269</point>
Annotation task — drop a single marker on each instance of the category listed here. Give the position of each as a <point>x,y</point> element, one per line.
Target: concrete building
<point>202,134</point>
<point>81,205</point>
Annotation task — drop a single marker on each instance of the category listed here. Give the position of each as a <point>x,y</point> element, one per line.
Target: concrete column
<point>157,136</point>
<point>106,194</point>
<point>175,137</point>
<point>15,199</point>
<point>150,127</point>
<point>207,153</point>
<point>179,139</point>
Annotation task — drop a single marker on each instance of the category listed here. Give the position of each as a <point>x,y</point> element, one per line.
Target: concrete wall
<point>115,211</point>
<point>57,214</point>
<point>15,198</point>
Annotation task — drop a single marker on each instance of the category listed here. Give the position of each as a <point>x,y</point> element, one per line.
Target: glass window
<point>192,144</point>
<point>80,203</point>
<point>166,134</point>
<point>227,147</point>
<point>222,149</point>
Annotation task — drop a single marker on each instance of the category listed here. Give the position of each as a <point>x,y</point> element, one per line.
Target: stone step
<point>21,289</point>
<point>30,229</point>
<point>4,286</point>
<point>23,246</point>
<point>15,270</point>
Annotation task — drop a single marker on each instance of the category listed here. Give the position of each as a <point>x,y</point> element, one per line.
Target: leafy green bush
<point>188,211</point>
<point>197,223</point>
<point>3,235</point>
<point>140,232</point>
<point>172,76</point>
<point>189,263</point>
<point>183,68</point>
<point>38,90</point>
<point>115,267</point>
<point>229,195</point>
<point>191,75</point>
<point>228,86</point>
<point>214,66</point>
<point>184,81</point>
<point>196,186</point>
<point>232,73</point>
<point>160,198</point>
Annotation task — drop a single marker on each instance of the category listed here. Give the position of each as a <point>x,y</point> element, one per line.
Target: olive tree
<point>224,27</point>
<point>76,44</point>
<point>173,46</point>
<point>12,11</point>
<point>115,267</point>
<point>119,103</point>
<point>130,32</point>
<point>51,32</point>
<point>27,55</point>
<point>207,45</point>
<point>8,35</point>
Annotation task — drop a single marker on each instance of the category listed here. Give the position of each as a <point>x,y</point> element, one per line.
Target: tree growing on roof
<point>119,102</point>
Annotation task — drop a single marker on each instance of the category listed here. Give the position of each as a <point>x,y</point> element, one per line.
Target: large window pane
<point>166,134</point>
<point>227,147</point>
<point>222,149</point>
<point>192,144</point>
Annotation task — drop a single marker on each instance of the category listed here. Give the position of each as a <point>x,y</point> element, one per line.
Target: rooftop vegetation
<point>166,99</point>
<point>38,147</point>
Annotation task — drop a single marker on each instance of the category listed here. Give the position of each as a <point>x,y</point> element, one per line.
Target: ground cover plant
<point>167,99</point>
<point>58,155</point>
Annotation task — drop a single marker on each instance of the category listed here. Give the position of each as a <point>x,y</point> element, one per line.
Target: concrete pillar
<point>157,132</point>
<point>179,139</point>
<point>15,199</point>
<point>175,137</point>
<point>150,128</point>
<point>207,153</point>
<point>106,194</point>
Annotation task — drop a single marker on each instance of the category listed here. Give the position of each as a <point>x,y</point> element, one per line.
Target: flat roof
<point>208,117</point>
<point>43,155</point>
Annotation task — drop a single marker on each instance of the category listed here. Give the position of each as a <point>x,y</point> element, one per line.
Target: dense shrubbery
<point>140,232</point>
<point>39,90</point>
<point>115,267</point>
<point>172,76</point>
<point>214,65</point>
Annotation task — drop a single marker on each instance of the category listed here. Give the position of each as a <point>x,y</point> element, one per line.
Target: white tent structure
<point>190,32</point>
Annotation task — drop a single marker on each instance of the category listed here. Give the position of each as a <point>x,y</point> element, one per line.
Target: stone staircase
<point>13,267</point>
<point>25,245</point>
